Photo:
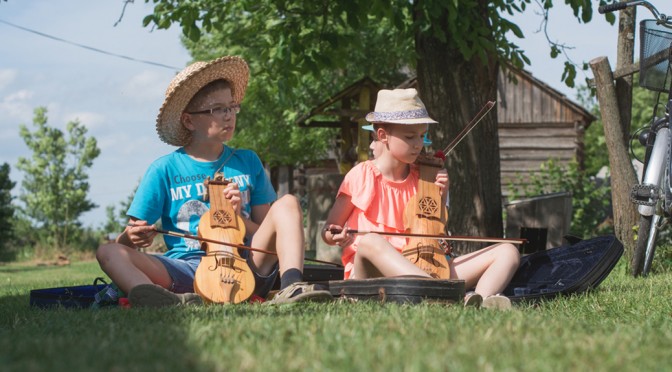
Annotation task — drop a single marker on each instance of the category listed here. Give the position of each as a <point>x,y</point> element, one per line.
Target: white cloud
<point>147,86</point>
<point>90,120</point>
<point>17,105</point>
<point>21,95</point>
<point>7,76</point>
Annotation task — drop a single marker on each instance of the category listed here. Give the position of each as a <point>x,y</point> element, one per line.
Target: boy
<point>199,115</point>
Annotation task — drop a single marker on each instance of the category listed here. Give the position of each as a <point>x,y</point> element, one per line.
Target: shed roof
<point>530,100</point>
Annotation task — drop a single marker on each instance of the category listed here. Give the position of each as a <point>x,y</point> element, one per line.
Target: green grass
<point>625,324</point>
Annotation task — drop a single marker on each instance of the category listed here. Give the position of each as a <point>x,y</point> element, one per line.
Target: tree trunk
<point>623,176</point>
<point>454,90</point>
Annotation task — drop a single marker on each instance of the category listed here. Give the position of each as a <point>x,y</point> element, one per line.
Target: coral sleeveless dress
<point>379,205</point>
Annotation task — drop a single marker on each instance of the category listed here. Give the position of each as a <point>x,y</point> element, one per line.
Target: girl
<point>373,196</point>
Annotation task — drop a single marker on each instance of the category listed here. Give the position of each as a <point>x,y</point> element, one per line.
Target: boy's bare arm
<point>138,234</point>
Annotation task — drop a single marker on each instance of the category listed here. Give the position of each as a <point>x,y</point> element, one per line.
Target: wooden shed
<point>536,123</point>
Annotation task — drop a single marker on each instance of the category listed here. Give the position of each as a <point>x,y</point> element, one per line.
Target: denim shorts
<point>182,272</point>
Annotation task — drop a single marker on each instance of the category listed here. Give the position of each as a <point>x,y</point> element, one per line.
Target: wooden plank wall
<point>536,124</point>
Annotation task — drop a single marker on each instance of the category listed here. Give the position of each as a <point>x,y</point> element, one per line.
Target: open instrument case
<point>573,268</point>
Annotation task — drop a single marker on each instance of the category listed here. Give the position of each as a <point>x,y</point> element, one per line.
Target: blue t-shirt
<point>172,189</point>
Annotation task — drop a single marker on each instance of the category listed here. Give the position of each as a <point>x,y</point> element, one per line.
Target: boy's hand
<point>140,234</point>
<point>232,192</point>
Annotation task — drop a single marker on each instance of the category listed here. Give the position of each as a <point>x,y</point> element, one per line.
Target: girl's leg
<point>376,257</point>
<point>128,268</point>
<point>281,232</point>
<point>489,270</point>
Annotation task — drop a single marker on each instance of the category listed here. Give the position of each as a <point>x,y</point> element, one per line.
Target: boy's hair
<point>213,86</point>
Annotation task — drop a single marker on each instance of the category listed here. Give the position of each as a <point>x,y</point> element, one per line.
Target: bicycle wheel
<point>646,245</point>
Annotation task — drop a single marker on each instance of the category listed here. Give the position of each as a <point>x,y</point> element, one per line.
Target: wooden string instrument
<point>222,276</point>
<point>426,213</point>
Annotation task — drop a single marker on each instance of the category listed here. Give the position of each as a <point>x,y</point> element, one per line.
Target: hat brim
<point>187,83</point>
<point>370,119</point>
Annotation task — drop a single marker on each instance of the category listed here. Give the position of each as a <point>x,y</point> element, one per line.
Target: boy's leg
<point>128,268</point>
<point>280,232</point>
<point>376,257</point>
<point>177,289</point>
<point>489,269</point>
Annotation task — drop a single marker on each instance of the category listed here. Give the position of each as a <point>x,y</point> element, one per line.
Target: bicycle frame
<point>653,195</point>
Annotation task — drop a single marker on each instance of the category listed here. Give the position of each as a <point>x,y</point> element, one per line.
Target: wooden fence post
<point>623,176</point>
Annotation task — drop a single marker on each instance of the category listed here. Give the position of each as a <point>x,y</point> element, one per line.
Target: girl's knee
<point>510,253</point>
<point>372,245</point>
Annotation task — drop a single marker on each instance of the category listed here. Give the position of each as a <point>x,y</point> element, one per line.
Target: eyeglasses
<point>218,112</point>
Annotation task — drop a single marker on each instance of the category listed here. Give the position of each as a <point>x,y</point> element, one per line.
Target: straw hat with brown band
<point>187,83</point>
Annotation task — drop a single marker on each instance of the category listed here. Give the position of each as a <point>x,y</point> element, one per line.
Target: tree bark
<point>623,176</point>
<point>454,90</point>
<point>625,57</point>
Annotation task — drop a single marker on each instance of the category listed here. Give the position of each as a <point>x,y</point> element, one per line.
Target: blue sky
<point>117,99</point>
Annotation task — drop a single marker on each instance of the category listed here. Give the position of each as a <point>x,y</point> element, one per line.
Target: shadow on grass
<point>111,338</point>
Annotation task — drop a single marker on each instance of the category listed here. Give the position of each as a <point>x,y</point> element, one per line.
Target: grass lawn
<point>624,325</point>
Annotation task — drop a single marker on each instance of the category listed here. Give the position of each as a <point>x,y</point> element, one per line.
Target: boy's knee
<point>289,200</point>
<point>105,251</point>
<point>102,252</point>
<point>287,204</point>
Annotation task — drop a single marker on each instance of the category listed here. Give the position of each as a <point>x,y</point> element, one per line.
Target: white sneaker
<point>472,299</point>
<point>497,301</point>
<point>150,295</point>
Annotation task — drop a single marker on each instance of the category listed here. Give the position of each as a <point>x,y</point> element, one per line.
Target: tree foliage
<point>55,183</point>
<point>305,51</point>
<point>295,38</point>
<point>6,210</point>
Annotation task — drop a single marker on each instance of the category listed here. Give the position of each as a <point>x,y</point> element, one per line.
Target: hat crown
<point>399,106</point>
<point>184,75</point>
<point>398,100</point>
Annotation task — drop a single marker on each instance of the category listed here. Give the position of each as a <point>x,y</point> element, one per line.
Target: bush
<point>591,199</point>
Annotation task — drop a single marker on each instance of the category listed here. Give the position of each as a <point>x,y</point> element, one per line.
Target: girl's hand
<point>337,235</point>
<point>140,234</point>
<point>232,192</point>
<point>442,180</point>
